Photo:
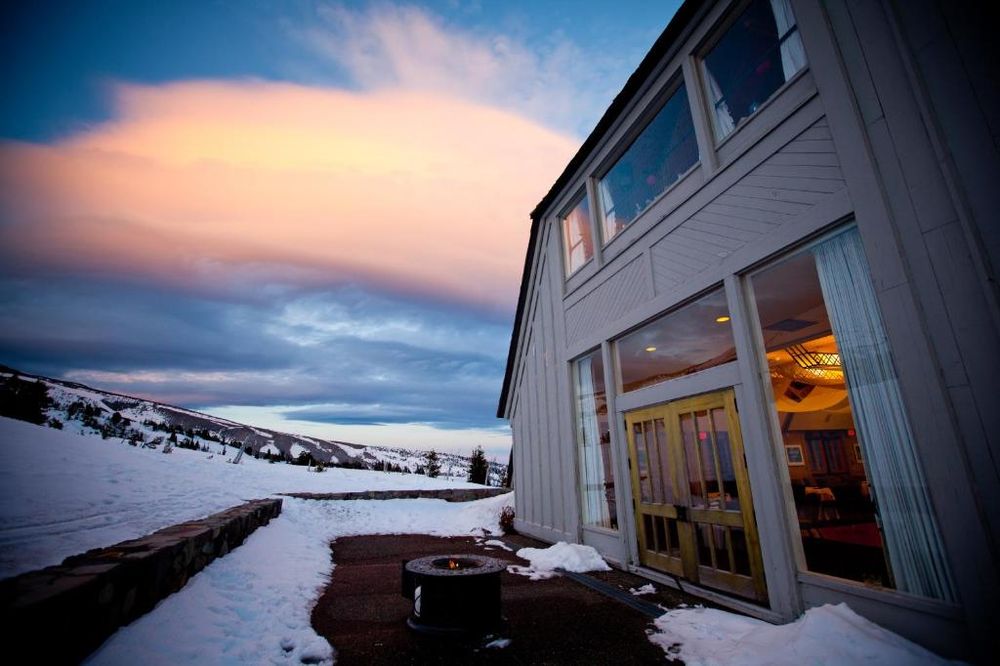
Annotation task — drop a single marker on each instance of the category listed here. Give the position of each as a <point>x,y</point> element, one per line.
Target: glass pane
<point>720,422</point>
<point>705,545</point>
<point>674,538</point>
<point>666,462</point>
<point>840,532</point>
<point>656,462</point>
<point>663,152</point>
<point>578,244</point>
<point>741,555</point>
<point>706,450</point>
<point>661,535</point>
<point>594,441</point>
<point>691,455</point>
<point>695,337</point>
<point>755,56</point>
<point>648,532</point>
<point>642,463</point>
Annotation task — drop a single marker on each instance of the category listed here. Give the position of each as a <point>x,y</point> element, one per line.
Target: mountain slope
<point>86,410</point>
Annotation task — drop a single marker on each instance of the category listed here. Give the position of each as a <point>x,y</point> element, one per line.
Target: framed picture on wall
<point>793,452</point>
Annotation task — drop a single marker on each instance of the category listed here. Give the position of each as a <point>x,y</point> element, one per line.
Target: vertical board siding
<point>787,184</point>
<point>541,435</point>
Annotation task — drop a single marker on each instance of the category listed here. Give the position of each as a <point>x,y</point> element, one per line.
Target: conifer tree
<point>478,467</point>
<point>432,464</point>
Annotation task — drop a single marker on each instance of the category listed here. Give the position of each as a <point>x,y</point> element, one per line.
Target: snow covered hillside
<point>77,408</point>
<point>63,493</point>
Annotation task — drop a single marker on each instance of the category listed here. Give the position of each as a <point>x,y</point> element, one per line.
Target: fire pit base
<point>454,595</point>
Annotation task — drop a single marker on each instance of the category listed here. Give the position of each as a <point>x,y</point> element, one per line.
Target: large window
<point>755,56</point>
<point>661,154</point>
<point>578,244</point>
<point>594,441</point>
<point>859,493</point>
<point>695,337</point>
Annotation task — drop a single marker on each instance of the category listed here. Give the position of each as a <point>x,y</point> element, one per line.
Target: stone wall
<point>447,494</point>
<point>64,612</point>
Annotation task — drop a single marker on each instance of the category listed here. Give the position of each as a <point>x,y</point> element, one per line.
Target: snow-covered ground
<point>62,493</point>
<point>825,636</point>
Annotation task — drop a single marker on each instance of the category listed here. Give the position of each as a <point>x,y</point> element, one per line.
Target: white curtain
<point>595,506</point>
<point>723,118</point>
<point>793,56</point>
<point>912,541</point>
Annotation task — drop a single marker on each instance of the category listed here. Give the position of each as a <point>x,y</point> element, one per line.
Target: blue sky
<point>308,216</point>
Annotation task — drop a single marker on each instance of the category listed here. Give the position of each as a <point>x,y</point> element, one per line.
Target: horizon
<point>309,217</point>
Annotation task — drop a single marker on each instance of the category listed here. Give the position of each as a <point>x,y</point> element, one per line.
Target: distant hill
<point>90,411</point>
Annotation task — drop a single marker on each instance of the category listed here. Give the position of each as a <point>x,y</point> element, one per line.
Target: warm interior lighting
<point>722,319</point>
<point>651,349</point>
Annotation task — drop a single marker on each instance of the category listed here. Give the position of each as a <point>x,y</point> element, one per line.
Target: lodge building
<point>757,344</point>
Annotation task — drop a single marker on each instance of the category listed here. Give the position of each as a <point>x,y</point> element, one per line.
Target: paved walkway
<point>554,621</point>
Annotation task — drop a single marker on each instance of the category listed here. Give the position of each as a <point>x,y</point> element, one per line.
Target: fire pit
<point>453,595</point>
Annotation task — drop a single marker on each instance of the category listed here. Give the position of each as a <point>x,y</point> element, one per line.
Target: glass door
<point>691,493</point>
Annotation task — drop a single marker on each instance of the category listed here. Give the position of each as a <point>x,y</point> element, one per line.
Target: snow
<point>824,636</point>
<point>566,556</point>
<point>648,588</point>
<point>254,605</point>
<point>497,543</point>
<point>84,492</point>
<point>63,493</point>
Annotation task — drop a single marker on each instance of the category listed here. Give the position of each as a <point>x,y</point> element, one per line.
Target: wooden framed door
<point>693,506</point>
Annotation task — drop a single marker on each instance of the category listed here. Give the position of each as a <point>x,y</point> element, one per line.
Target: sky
<point>309,216</point>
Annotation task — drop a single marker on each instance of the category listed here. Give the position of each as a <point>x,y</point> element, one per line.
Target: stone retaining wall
<point>447,494</point>
<point>64,612</point>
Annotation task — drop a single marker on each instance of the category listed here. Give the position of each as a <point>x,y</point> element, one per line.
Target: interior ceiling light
<point>651,349</point>
<point>723,319</point>
<point>811,360</point>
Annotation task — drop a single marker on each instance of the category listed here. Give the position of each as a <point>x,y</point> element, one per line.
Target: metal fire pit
<point>453,595</point>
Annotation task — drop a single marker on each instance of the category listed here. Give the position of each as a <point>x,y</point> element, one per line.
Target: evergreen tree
<point>24,400</point>
<point>478,467</point>
<point>432,465</point>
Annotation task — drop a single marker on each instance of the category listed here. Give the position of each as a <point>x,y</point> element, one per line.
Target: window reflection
<point>661,154</point>
<point>693,338</point>
<point>578,244</point>
<point>594,441</point>
<point>754,58</point>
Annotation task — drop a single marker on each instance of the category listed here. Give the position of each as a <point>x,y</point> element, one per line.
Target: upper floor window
<point>661,154</point>
<point>756,56</point>
<point>578,243</point>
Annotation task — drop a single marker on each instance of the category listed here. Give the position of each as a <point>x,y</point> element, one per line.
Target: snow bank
<point>565,556</point>
<point>825,636</point>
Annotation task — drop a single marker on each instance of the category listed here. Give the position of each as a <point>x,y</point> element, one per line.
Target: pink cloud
<point>195,180</point>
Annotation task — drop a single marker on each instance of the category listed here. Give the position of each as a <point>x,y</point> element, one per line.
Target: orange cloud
<point>195,180</point>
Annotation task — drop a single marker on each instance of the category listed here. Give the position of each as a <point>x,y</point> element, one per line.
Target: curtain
<point>793,56</point>
<point>595,506</point>
<point>909,527</point>
<point>723,118</point>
